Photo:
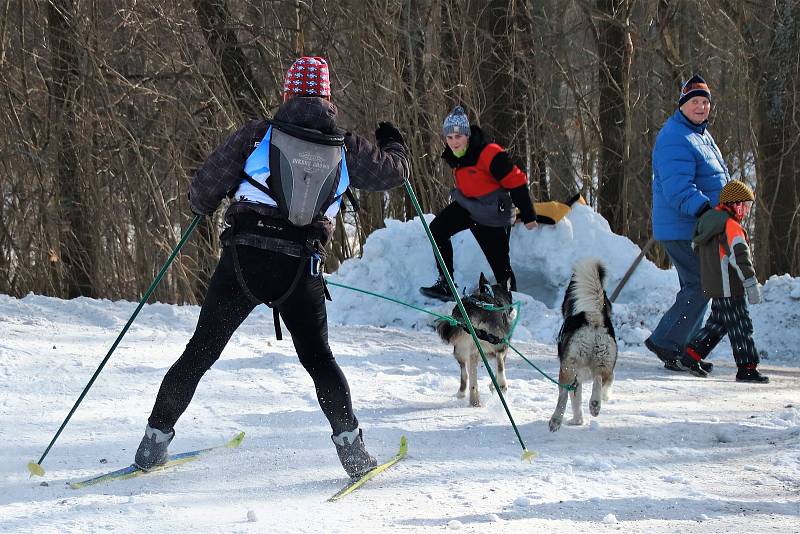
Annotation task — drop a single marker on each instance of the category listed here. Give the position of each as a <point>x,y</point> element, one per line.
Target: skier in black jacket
<point>268,259</point>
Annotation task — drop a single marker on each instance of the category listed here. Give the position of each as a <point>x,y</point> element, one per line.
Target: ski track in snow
<point>668,453</point>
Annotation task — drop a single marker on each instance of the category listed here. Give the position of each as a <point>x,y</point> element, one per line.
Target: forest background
<point>109,106</point>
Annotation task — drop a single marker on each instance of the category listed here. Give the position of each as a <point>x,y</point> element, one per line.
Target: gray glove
<point>753,290</point>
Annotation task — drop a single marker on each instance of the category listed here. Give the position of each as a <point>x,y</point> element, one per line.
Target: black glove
<point>704,208</point>
<point>388,132</point>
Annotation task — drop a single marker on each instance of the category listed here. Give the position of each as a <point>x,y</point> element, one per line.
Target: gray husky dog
<point>587,347</point>
<point>491,327</point>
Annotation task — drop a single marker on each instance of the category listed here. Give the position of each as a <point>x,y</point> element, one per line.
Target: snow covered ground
<point>669,453</point>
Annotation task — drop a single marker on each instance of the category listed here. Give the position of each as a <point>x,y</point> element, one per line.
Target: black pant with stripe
<point>729,315</point>
<point>267,276</point>
<point>493,240</point>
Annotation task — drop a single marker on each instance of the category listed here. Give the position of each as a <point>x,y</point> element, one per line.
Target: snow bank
<point>397,260</point>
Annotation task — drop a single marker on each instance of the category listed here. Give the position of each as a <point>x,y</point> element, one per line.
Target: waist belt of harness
<point>276,228</point>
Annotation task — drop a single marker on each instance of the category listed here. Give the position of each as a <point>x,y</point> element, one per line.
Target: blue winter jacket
<point>688,171</point>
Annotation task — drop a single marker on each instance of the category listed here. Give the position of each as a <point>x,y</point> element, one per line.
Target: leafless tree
<point>110,106</point>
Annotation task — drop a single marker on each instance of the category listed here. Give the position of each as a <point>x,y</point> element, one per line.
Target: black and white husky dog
<point>587,347</point>
<point>489,309</point>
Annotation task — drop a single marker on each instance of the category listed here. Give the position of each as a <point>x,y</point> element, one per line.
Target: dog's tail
<point>585,292</point>
<point>446,330</point>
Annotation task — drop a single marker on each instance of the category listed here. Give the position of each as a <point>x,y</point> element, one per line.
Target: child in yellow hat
<point>728,276</point>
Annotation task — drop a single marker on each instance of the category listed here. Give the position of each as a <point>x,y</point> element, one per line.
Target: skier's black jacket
<point>371,167</point>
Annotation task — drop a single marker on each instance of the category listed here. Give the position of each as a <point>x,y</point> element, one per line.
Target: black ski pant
<point>267,276</point>
<point>493,241</point>
<point>729,315</point>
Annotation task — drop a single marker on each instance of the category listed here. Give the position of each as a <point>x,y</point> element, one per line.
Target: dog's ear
<point>506,284</point>
<point>483,285</point>
<point>482,280</point>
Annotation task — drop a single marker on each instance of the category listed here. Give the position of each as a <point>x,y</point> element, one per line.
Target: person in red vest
<point>488,186</point>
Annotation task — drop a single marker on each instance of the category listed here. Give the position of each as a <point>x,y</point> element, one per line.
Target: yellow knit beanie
<point>736,191</point>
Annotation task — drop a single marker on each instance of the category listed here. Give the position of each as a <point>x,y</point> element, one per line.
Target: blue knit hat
<point>456,122</point>
<point>694,86</point>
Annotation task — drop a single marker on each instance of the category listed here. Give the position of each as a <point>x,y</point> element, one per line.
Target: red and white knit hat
<point>308,76</point>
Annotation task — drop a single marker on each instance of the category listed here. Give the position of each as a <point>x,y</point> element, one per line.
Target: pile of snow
<point>397,260</point>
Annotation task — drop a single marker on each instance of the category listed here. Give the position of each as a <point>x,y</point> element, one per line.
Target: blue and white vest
<point>311,176</point>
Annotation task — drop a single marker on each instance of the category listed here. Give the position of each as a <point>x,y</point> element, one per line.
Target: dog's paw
<point>461,394</point>
<point>555,424</point>
<point>594,408</point>
<point>575,421</point>
<point>503,388</point>
<point>475,402</point>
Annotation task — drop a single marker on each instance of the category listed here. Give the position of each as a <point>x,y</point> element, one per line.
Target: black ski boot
<point>354,457</point>
<point>152,451</point>
<point>674,365</point>
<point>440,290</point>
<point>751,375</point>
<point>693,366</point>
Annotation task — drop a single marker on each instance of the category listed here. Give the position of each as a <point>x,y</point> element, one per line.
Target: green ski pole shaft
<point>526,455</point>
<point>37,468</point>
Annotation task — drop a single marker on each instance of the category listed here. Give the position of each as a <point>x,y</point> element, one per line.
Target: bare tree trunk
<point>773,66</point>
<point>549,110</point>
<point>778,108</point>
<point>422,134</point>
<point>502,100</point>
<point>215,20</point>
<point>612,44</point>
<point>75,229</point>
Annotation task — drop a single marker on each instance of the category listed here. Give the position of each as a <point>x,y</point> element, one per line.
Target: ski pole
<point>526,454</point>
<point>36,467</point>
<point>632,268</point>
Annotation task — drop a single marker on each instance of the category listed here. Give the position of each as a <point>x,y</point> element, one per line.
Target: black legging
<point>267,274</point>
<point>493,240</point>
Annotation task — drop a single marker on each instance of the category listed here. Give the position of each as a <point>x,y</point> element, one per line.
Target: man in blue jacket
<point>688,175</point>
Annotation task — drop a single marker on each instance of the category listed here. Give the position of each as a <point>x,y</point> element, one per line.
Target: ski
<point>369,475</point>
<point>173,460</point>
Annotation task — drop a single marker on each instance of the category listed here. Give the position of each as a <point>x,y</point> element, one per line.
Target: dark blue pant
<point>683,320</point>
<point>268,274</point>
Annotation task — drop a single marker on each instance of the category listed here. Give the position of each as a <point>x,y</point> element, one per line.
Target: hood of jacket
<point>710,225</point>
<point>477,141</point>
<point>310,112</point>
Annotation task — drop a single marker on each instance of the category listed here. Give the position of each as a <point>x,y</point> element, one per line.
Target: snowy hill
<point>397,260</point>
<point>669,453</point>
